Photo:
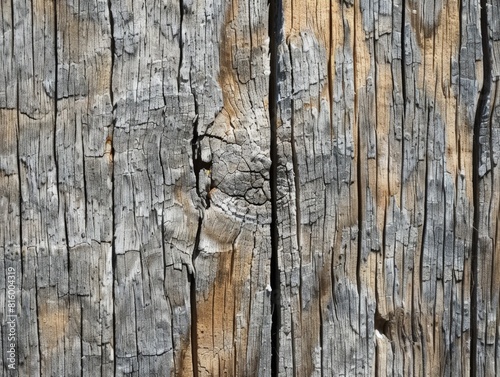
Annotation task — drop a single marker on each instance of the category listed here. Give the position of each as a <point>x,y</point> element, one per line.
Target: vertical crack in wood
<point>275,30</point>
<point>359,179</point>
<point>197,167</point>
<point>192,302</point>
<point>113,50</point>
<point>19,182</point>
<point>56,165</point>
<point>38,334</point>
<point>481,119</point>
<point>403,56</point>
<point>181,42</point>
<point>330,69</point>
<point>403,93</point>
<point>112,177</point>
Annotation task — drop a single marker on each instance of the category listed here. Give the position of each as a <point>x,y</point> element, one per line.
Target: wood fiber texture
<point>389,206</point>
<point>240,188</point>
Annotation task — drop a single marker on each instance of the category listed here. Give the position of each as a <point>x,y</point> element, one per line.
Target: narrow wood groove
<point>403,58</point>
<point>403,88</point>
<point>113,53</point>
<point>181,42</point>
<point>20,201</point>
<point>194,319</point>
<point>481,118</point>
<point>275,30</point>
<point>56,165</point>
<point>330,62</point>
<point>197,168</point>
<point>111,132</point>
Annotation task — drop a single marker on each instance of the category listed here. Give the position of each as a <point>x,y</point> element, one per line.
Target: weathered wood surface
<point>388,150</point>
<point>388,144</point>
<point>231,187</point>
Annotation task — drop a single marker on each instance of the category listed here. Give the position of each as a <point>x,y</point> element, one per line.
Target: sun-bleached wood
<point>231,187</point>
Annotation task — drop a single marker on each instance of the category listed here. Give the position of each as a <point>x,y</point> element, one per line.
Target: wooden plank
<point>42,314</point>
<point>83,134</point>
<point>486,197</point>
<point>57,80</point>
<point>188,160</point>
<point>375,180</point>
<point>233,153</point>
<point>155,219</point>
<point>10,241</point>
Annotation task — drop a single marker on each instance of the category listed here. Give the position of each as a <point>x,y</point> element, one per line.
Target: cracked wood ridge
<point>231,187</point>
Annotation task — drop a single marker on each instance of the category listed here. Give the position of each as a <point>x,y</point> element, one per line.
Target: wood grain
<point>231,187</point>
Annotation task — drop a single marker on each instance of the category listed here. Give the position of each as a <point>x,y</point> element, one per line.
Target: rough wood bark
<point>230,187</point>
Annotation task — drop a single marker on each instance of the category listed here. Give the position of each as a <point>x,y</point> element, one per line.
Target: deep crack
<point>275,28</point>
<point>481,118</point>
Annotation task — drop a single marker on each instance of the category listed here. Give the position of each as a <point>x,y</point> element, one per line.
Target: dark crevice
<point>198,166</point>
<point>417,332</point>
<point>13,35</point>
<point>86,199</point>
<point>196,248</point>
<point>112,176</point>
<point>82,331</point>
<point>194,315</point>
<point>330,66</point>
<point>114,269</point>
<point>480,121</point>
<point>382,324</point>
<point>359,191</point>
<point>38,334</point>
<point>403,57</point>
<point>19,280</point>
<point>33,53</point>
<point>201,167</point>
<point>275,30</point>
<point>192,273</point>
<point>55,106</point>
<point>404,95</point>
<point>20,185</point>
<point>113,52</point>
<point>181,43</point>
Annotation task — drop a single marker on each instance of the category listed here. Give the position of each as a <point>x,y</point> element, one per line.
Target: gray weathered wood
<point>230,187</point>
<point>377,184</point>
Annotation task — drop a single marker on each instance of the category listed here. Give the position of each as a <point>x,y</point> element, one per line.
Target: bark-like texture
<point>387,156</point>
<point>231,187</point>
